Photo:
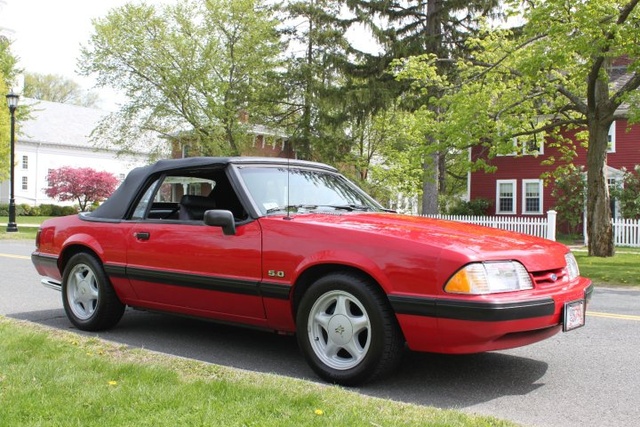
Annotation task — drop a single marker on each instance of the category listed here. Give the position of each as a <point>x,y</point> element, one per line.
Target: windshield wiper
<point>351,207</point>
<point>296,208</point>
<point>291,208</point>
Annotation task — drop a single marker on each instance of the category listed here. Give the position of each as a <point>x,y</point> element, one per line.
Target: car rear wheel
<point>89,300</point>
<point>347,330</point>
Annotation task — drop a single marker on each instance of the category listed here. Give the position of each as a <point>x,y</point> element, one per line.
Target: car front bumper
<point>465,325</point>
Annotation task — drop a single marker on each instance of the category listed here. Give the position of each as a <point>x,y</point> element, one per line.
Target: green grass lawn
<point>25,219</point>
<point>27,227</point>
<point>58,378</point>
<point>623,269</point>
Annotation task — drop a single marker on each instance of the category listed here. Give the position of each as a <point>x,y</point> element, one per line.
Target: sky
<point>47,35</point>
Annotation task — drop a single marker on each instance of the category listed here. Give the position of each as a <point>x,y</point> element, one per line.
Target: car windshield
<point>280,189</point>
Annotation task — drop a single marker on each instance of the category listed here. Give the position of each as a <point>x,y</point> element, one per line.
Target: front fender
<point>345,258</point>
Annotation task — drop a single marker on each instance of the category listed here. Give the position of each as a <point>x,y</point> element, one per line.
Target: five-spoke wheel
<point>82,291</point>
<point>347,331</point>
<point>89,300</point>
<point>339,330</point>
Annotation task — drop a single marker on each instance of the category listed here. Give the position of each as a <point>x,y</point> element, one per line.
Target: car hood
<point>475,243</point>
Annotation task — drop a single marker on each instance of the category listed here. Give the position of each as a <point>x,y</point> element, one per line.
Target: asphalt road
<point>590,376</point>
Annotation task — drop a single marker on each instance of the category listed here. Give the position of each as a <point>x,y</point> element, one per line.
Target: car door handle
<point>142,235</point>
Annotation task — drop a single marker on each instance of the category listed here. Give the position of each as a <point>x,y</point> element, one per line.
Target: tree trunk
<point>430,185</point>
<point>430,167</point>
<point>599,227</point>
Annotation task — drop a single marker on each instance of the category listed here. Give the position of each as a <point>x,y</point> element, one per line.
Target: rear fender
<point>78,243</point>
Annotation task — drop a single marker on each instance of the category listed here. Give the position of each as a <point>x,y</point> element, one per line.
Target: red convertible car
<point>295,247</point>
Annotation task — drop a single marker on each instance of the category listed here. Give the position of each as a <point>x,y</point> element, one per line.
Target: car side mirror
<point>221,218</point>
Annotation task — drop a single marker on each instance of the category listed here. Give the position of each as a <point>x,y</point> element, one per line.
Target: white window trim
<point>521,150</point>
<point>612,133</point>
<point>513,183</point>
<point>524,196</point>
<point>540,148</point>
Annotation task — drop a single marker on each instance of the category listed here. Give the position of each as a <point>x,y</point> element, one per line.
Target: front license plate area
<point>574,314</point>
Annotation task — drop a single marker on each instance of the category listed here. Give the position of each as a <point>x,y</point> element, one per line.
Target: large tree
<point>82,185</point>
<point>56,88</point>
<point>557,72</point>
<point>189,69</point>
<point>7,73</point>
<point>313,84</point>
<point>406,28</point>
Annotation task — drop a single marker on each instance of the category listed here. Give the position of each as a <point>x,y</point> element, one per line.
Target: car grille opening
<point>549,278</point>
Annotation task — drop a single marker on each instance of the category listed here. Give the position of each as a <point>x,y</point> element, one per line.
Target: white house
<point>57,135</point>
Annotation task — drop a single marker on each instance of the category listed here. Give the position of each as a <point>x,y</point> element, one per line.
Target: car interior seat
<point>193,207</point>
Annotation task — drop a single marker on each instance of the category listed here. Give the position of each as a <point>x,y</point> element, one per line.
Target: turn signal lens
<point>489,278</point>
<point>572,266</point>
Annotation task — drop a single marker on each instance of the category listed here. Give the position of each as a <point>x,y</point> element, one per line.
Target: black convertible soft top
<point>117,206</point>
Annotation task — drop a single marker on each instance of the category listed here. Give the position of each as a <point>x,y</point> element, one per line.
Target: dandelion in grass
<point>113,383</point>
<point>319,412</point>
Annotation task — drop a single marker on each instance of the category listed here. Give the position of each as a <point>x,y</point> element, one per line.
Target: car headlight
<point>572,266</point>
<point>489,278</point>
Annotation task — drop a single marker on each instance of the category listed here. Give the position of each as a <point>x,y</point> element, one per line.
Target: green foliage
<point>40,210</point>
<point>321,105</point>
<point>56,88</point>
<point>7,71</point>
<point>628,194</point>
<point>475,207</point>
<point>188,69</point>
<point>569,190</point>
<point>5,129</point>
<point>552,74</point>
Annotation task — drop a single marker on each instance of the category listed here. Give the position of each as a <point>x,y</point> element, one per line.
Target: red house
<point>516,188</point>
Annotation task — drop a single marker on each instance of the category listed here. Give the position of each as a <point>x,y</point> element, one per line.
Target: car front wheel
<point>89,300</point>
<point>347,331</point>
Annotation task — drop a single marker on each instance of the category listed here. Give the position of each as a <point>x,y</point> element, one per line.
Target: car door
<point>196,269</point>
<point>179,264</point>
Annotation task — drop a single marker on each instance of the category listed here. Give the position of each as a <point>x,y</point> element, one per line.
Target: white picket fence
<point>541,227</point>
<point>626,232</point>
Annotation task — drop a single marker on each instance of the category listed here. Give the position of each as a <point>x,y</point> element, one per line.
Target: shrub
<point>475,207</point>
<point>628,195</point>
<point>45,209</point>
<point>569,190</point>
<point>69,210</point>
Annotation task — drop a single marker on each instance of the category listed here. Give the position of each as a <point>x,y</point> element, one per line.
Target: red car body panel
<point>255,276</point>
<point>372,243</point>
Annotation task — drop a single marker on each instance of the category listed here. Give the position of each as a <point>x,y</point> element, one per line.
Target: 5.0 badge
<point>275,273</point>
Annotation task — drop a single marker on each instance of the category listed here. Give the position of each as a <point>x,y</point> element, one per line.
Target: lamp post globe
<point>12,102</point>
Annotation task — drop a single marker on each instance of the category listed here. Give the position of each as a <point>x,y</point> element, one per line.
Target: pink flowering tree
<point>84,185</point>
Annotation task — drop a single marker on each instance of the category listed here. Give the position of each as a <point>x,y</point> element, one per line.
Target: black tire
<point>347,330</point>
<point>89,300</point>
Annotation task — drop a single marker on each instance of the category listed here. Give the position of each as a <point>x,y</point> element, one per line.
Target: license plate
<point>573,315</point>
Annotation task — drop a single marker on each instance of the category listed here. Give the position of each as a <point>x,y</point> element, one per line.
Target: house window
<point>506,196</point>
<point>25,183</point>
<point>531,146</point>
<point>534,146</point>
<point>25,162</point>
<point>611,138</point>
<point>532,196</point>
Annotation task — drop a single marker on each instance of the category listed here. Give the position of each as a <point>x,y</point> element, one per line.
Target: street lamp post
<point>12,102</point>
